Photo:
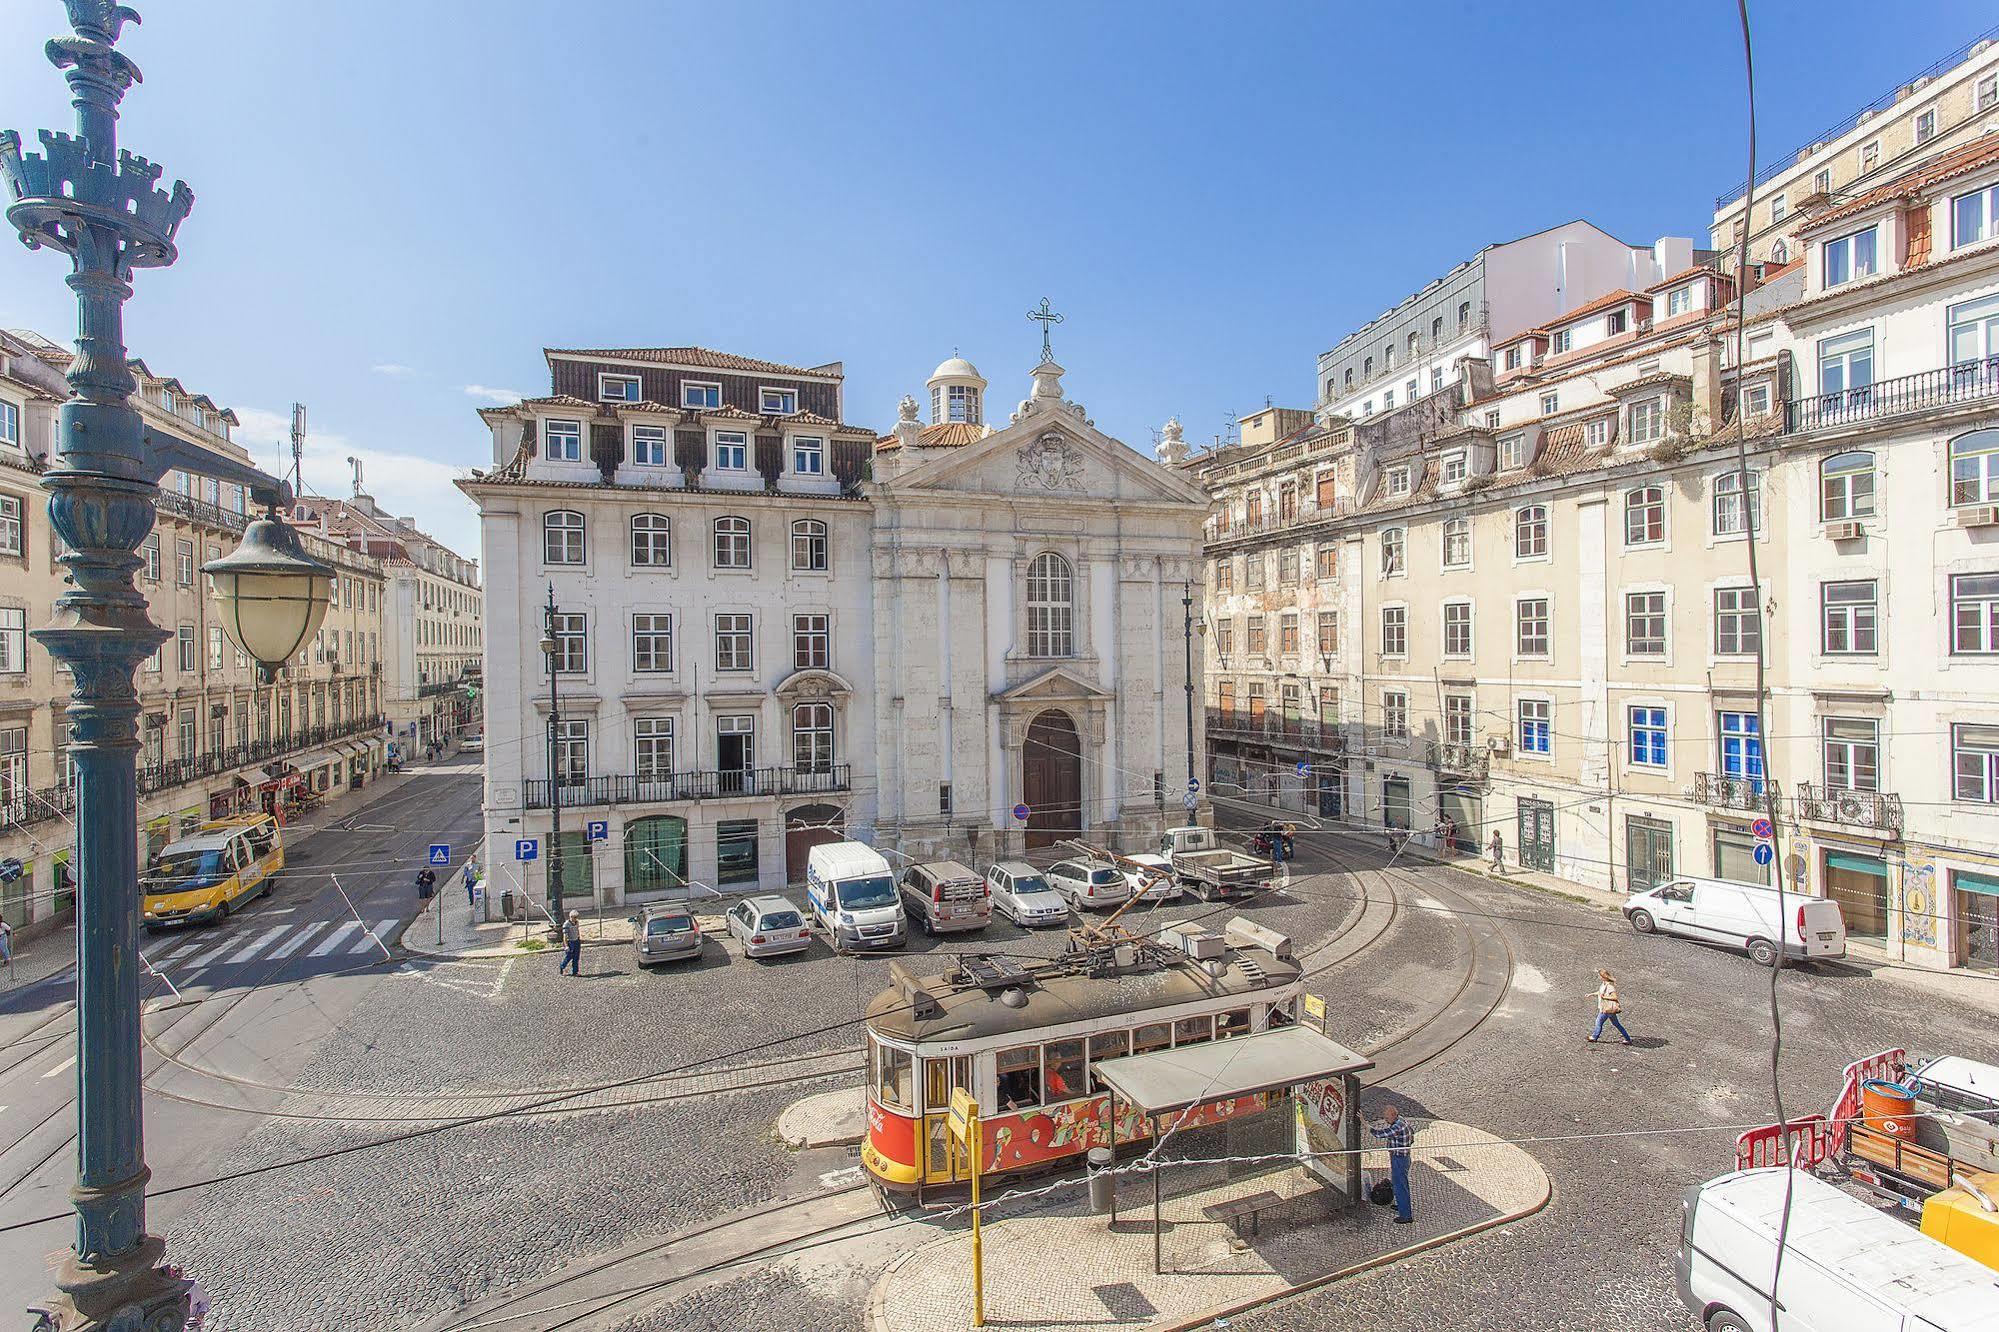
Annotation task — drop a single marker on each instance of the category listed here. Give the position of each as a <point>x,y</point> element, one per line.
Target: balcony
<point>738,784</point>
<point>198,511</point>
<point>1723,791</point>
<point>1868,811</point>
<point>1243,723</point>
<point>1471,762</point>
<point>1969,381</point>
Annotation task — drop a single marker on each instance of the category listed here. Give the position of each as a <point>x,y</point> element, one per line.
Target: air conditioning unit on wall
<point>1498,746</point>
<point>1978,515</point>
<point>1846,531</point>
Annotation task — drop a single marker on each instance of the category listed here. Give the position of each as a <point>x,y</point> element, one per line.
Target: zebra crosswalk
<point>184,957</point>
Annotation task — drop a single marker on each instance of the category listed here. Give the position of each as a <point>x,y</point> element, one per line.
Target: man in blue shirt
<point>1395,1131</point>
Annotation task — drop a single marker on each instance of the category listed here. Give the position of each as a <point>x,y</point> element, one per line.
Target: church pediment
<point>1054,685</point>
<point>1053,455</point>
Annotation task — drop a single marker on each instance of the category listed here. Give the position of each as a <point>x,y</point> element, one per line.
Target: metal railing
<point>1729,792</point>
<point>59,801</point>
<point>1273,726</point>
<point>1790,161</point>
<point>1469,760</point>
<point>1853,809</point>
<point>199,511</point>
<point>730,784</point>
<point>1968,381</point>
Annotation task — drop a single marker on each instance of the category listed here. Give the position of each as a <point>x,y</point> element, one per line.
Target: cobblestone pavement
<point>387,1236</point>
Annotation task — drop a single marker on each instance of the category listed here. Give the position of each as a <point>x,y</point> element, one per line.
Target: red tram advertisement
<point>1023,1039</point>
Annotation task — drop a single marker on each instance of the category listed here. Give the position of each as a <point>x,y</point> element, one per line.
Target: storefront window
<point>1976,910</point>
<point>1860,885</point>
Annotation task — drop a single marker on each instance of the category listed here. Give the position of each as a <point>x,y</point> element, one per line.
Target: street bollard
<point>1102,1181</point>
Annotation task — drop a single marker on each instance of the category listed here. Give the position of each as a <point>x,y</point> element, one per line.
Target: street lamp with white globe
<point>271,595</point>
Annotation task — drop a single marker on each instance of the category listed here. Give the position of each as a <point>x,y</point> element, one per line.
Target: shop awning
<point>318,758</point>
<point>1217,1070</point>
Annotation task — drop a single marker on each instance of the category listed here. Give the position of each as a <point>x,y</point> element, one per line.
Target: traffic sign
<point>1315,1009</point>
<point>597,830</point>
<point>1765,853</point>
<point>1761,828</point>
<point>1193,784</point>
<point>1021,812</point>
<point>440,853</point>
<point>527,848</point>
<point>1191,801</point>
<point>1304,769</point>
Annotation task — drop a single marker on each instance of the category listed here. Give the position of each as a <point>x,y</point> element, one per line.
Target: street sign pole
<point>978,1240</point>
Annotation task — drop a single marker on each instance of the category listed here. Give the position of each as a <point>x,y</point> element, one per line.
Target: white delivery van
<point>853,896</point>
<point>1847,1267</point>
<point>1741,915</point>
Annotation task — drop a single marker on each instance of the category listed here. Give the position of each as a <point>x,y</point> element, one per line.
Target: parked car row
<point>765,926</point>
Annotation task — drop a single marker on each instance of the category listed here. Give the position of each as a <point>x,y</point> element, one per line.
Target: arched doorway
<point>655,855</point>
<point>1051,765</point>
<point>806,827</point>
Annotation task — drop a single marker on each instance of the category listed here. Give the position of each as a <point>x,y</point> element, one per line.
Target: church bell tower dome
<point>957,393</point>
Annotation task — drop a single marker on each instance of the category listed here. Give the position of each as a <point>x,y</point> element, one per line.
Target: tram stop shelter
<point>1196,1084</point>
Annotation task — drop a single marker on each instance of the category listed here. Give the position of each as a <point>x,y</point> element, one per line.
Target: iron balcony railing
<point>199,511</point>
<point>1853,809</point>
<point>25,807</point>
<point>725,784</point>
<point>1967,381</point>
<point>1726,791</point>
<point>1274,726</point>
<point>1467,760</point>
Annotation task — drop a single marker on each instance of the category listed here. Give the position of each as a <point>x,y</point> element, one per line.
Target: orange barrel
<point>1888,1107</point>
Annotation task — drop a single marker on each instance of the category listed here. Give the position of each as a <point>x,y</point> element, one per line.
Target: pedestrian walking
<point>7,947</point>
<point>1395,1131</point>
<point>572,946</point>
<point>1498,849</point>
<point>1608,1006</point>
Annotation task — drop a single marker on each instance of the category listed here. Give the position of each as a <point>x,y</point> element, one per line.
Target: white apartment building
<point>1939,109</point>
<point>431,634</point>
<point>1421,346</point>
<point>698,518</point>
<point>1530,610</point>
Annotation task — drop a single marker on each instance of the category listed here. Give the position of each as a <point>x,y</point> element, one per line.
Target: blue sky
<point>399,204</point>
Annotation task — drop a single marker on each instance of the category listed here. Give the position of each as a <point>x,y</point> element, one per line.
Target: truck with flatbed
<point>1207,868</point>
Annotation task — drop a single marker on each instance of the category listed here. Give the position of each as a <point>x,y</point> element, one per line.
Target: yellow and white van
<point>205,876</point>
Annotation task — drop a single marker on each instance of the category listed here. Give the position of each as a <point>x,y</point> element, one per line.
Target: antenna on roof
<point>298,448</point>
<point>355,463</point>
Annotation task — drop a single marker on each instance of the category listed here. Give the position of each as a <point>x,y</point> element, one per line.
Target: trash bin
<point>507,903</point>
<point>1102,1181</point>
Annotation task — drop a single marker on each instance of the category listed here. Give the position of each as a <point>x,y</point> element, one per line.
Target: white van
<point>1846,1268</point>
<point>1741,915</point>
<point>853,896</point>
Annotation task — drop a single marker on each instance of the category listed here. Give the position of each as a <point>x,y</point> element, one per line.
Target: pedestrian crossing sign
<point>440,853</point>
<point>527,848</point>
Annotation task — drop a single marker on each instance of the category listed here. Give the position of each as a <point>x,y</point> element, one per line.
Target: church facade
<point>1032,586</point>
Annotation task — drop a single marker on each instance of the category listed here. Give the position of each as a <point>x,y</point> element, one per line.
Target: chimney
<point>1707,418</point>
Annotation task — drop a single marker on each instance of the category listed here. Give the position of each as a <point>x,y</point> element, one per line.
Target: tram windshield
<point>877,890</point>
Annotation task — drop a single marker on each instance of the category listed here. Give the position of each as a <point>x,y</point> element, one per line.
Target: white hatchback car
<point>1024,896</point>
<point>767,926</point>
<point>1155,883</point>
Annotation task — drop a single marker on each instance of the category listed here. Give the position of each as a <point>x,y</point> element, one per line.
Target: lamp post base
<point>129,1293</point>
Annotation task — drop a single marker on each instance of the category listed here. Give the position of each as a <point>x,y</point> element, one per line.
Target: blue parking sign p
<point>440,853</point>
<point>527,848</point>
<point>598,830</point>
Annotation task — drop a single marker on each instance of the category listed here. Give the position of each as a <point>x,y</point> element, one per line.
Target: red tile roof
<point>699,357</point>
<point>1696,271</point>
<point>1609,300</point>
<point>1981,151</point>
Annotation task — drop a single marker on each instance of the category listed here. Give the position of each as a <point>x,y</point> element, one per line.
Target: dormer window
<point>1679,300</point>
<point>617,388</point>
<point>701,397</point>
<point>732,451</point>
<point>1453,470</point>
<point>1973,217</point>
<point>1613,323</point>
<point>777,402</point>
<point>1850,257</point>
<point>1513,358</point>
<point>1597,433</point>
<point>1648,421</point>
<point>1559,342</point>
<point>1550,403</point>
<point>808,456</point>
<point>649,445</point>
<point>563,441</point>
<point>1398,481</point>
<point>1511,448</point>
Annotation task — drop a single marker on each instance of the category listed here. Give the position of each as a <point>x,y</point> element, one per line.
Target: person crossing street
<point>572,946</point>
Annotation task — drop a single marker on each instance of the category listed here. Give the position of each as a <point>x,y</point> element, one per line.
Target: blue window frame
<point>10,424</point>
<point>1648,737</point>
<point>1741,746</point>
<point>1535,734</point>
